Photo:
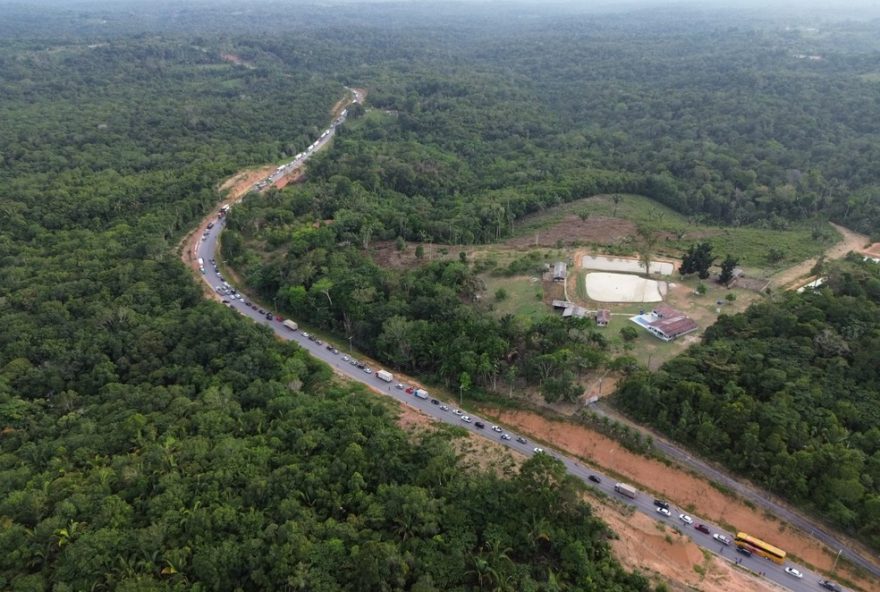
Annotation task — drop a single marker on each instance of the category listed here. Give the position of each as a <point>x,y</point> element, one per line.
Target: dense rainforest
<point>465,134</point>
<point>150,440</point>
<point>786,394</point>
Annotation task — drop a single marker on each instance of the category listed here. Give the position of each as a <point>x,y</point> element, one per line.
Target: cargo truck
<point>421,394</point>
<point>384,375</point>
<point>627,490</point>
<point>290,325</point>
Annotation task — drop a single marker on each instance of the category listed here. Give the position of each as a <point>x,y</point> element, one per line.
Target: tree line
<point>785,394</point>
<point>150,440</point>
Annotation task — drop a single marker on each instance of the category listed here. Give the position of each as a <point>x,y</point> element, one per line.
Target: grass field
<point>524,296</point>
<point>749,244</point>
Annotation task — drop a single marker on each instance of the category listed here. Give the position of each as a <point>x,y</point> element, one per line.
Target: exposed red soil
<point>679,486</point>
<point>660,551</point>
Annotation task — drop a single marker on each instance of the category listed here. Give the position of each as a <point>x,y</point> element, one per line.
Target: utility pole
<point>835,561</point>
<point>350,337</point>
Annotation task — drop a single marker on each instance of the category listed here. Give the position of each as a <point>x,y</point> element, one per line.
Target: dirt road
<point>796,276</point>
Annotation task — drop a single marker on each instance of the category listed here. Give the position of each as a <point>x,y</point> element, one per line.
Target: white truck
<point>290,325</point>
<point>627,490</point>
<point>384,375</point>
<point>421,394</point>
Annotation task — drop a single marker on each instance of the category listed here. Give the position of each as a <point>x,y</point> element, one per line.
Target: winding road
<point>205,247</point>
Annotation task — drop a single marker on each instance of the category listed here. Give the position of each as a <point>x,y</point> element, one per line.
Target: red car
<point>702,528</point>
<point>409,390</point>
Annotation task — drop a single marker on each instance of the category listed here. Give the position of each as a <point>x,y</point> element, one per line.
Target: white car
<point>793,572</point>
<point>505,437</point>
<point>345,358</point>
<point>444,408</point>
<point>539,450</point>
<point>686,519</point>
<point>721,539</point>
<point>457,411</point>
<point>664,511</point>
<point>368,371</point>
<point>466,419</point>
<point>497,429</point>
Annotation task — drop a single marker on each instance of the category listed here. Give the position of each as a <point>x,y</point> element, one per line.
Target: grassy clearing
<point>523,296</point>
<point>749,244</point>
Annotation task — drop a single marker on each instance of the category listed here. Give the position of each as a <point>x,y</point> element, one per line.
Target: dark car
<point>435,402</point>
<point>661,504</point>
<point>270,316</point>
<point>744,551</point>
<point>703,528</point>
<point>480,424</point>
<point>594,479</point>
<point>261,311</point>
<point>829,585</point>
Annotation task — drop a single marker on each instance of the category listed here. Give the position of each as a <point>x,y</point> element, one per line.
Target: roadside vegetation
<point>459,154</point>
<point>785,394</point>
<point>150,440</point>
<point>455,152</point>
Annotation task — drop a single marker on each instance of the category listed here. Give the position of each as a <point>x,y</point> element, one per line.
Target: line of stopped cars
<point>662,508</point>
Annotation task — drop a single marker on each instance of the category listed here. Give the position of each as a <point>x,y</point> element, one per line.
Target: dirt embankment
<point>693,493</point>
<point>796,276</point>
<point>661,553</point>
<point>657,550</point>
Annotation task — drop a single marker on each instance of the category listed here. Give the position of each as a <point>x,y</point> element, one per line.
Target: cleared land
<point>684,489</point>
<point>614,225</point>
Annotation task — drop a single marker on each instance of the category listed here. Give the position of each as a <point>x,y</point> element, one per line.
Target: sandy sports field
<point>621,287</point>
<point>625,264</point>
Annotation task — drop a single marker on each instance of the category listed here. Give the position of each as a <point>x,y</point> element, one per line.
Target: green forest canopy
<point>466,134</point>
<point>786,394</point>
<point>153,441</point>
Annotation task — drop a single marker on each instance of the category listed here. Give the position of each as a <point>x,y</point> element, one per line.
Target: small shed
<point>578,312</point>
<point>603,317</point>
<point>560,271</point>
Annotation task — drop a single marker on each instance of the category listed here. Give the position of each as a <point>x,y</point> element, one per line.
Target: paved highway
<point>207,250</point>
<point>754,495</point>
